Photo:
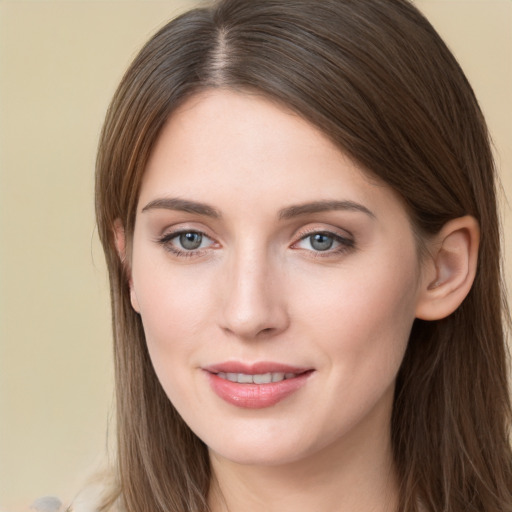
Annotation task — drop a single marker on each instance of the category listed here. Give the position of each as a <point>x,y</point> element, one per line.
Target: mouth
<point>256,386</point>
<point>259,378</point>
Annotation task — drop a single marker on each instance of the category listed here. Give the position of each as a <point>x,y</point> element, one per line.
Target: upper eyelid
<point>174,234</point>
<point>337,238</point>
<point>331,230</point>
<point>341,236</point>
<point>184,227</point>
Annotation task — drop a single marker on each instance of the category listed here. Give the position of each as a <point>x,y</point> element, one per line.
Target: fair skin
<point>261,251</point>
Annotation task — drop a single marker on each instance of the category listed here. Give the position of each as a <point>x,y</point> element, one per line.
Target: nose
<point>254,298</point>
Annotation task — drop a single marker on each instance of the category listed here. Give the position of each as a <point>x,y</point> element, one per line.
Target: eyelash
<point>345,244</point>
<point>165,242</point>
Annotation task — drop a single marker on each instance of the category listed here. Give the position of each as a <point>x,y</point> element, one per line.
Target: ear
<point>450,270</point>
<point>120,243</point>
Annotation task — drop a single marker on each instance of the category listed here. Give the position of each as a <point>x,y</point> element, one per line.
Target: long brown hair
<point>378,80</point>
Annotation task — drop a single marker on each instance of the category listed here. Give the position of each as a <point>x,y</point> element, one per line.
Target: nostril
<point>250,310</point>
<point>265,332</point>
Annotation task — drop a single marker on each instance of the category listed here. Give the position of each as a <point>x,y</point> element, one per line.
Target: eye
<point>185,243</point>
<point>190,241</point>
<point>324,241</point>
<point>321,241</point>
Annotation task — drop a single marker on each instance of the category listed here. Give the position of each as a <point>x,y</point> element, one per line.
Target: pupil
<point>190,241</point>
<point>321,242</point>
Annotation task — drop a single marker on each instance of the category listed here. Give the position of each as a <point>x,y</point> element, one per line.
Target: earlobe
<point>120,243</point>
<point>450,270</point>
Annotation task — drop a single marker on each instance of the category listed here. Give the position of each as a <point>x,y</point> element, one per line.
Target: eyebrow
<point>182,205</point>
<point>188,206</point>
<point>323,206</point>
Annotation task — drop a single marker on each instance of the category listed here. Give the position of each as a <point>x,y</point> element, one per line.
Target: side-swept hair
<point>377,79</point>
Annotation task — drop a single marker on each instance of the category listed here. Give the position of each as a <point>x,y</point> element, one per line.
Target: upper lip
<point>257,368</point>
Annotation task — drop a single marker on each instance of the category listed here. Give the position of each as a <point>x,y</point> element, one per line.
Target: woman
<point>296,201</point>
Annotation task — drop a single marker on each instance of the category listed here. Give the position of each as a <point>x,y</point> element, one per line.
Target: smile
<point>256,386</point>
<point>259,378</point>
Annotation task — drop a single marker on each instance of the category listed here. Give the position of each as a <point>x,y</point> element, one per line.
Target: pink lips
<point>251,395</point>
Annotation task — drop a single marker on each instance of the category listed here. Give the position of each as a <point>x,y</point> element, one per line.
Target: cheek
<point>361,324</point>
<point>175,306</point>
<point>169,329</point>
<point>364,317</point>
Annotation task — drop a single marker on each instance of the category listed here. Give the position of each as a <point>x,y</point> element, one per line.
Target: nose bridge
<point>253,302</point>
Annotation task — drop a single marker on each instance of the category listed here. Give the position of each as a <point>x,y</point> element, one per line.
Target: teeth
<point>260,378</point>
<point>244,378</point>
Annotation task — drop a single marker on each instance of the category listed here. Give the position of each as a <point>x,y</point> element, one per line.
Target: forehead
<point>240,149</point>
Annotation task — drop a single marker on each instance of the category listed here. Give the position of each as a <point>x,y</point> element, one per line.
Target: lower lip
<point>256,396</point>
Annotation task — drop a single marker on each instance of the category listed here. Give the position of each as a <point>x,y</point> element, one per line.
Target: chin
<point>257,447</point>
<point>273,456</point>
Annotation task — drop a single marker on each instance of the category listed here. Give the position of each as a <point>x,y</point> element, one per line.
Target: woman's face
<point>276,282</point>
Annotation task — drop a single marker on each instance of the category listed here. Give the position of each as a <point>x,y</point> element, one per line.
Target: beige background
<point>59,64</point>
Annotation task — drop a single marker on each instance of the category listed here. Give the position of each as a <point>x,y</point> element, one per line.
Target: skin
<point>258,289</point>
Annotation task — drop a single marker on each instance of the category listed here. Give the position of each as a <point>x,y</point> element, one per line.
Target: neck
<point>356,475</point>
